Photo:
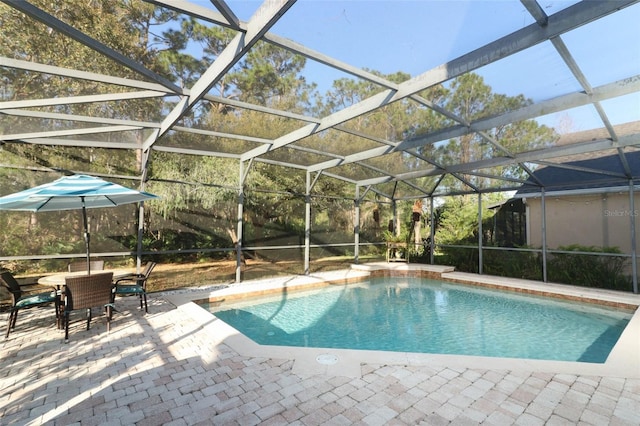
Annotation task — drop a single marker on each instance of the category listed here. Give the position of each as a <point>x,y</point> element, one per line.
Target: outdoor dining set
<point>78,289</point>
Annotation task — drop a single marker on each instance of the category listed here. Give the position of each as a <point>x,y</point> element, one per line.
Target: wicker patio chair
<point>22,300</point>
<point>136,284</point>
<point>86,292</point>
<point>95,265</point>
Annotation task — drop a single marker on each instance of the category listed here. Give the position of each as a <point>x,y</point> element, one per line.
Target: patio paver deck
<point>165,368</point>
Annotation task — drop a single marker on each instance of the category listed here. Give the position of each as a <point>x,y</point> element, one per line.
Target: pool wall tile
<point>362,272</point>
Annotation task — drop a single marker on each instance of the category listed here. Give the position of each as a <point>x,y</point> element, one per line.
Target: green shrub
<point>509,263</point>
<point>589,270</point>
<point>464,259</point>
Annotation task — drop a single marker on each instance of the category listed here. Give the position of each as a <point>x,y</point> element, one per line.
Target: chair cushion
<point>36,299</point>
<point>129,289</point>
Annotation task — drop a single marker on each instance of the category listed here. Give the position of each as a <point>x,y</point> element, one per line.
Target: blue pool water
<point>427,316</point>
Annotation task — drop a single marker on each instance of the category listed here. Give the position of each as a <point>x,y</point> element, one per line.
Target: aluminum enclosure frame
<point>546,28</point>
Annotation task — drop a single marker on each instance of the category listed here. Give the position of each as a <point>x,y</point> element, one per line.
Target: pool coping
<point>623,361</point>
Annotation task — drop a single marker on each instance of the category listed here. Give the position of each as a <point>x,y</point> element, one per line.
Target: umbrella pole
<point>86,235</point>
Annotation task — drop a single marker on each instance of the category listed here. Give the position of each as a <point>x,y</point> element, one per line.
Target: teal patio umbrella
<point>76,192</point>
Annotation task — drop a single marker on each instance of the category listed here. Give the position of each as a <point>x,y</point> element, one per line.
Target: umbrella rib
<point>110,200</point>
<point>43,204</point>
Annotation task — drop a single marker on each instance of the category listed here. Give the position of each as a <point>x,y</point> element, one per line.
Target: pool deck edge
<point>624,360</point>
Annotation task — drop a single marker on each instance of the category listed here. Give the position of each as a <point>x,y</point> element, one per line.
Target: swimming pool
<point>428,316</point>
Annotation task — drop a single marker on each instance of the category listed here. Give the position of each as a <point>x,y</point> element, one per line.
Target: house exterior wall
<point>601,220</point>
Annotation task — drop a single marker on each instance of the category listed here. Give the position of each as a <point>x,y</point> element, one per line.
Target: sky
<point>415,36</point>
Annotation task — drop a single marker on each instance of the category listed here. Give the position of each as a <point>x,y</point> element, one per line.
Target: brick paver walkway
<point>160,369</point>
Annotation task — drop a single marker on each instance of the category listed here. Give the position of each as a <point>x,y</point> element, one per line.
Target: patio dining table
<point>58,279</point>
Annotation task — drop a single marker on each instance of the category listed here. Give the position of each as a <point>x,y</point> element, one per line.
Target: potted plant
<point>397,247</point>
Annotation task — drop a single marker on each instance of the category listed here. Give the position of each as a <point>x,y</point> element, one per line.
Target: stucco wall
<point>601,220</point>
